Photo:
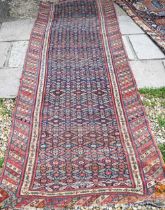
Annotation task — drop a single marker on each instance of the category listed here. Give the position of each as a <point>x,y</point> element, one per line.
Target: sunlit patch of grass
<point>162,103</point>
<point>149,103</point>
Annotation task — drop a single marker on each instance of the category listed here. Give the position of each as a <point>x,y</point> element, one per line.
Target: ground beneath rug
<point>80,136</point>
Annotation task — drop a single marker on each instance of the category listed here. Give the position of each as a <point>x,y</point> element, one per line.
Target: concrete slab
<point>9,82</point>
<point>16,30</point>
<point>18,53</point>
<point>145,47</point>
<point>150,73</point>
<point>128,26</point>
<point>119,11</point>
<point>4,51</point>
<point>129,49</point>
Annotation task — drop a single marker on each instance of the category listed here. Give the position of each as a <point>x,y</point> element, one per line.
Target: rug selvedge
<point>142,155</point>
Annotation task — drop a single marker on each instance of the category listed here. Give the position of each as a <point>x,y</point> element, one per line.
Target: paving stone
<point>145,47</point>
<point>9,82</point>
<point>128,26</point>
<point>149,73</point>
<point>128,47</point>
<point>4,50</point>
<point>16,30</point>
<point>18,53</point>
<point>119,11</point>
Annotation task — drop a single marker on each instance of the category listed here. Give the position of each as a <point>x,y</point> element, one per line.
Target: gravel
<point>14,9</point>
<point>5,123</point>
<point>23,9</point>
<point>155,107</point>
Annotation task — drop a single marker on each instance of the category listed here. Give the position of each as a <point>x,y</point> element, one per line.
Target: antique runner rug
<point>80,136</point>
<point>149,15</point>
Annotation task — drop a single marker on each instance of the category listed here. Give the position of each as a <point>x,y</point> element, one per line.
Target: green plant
<point>161,121</point>
<point>162,149</point>
<point>1,162</point>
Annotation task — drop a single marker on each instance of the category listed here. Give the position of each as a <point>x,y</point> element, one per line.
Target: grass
<point>1,102</point>
<point>162,149</point>
<point>161,121</point>
<point>153,92</point>
<point>1,162</point>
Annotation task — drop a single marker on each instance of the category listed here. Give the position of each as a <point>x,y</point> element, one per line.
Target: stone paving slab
<point>4,51</point>
<point>9,82</point>
<point>145,48</point>
<point>128,26</point>
<point>18,53</point>
<point>148,73</point>
<point>16,30</point>
<point>129,49</point>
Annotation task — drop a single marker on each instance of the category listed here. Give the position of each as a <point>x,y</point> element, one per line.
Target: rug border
<point>44,10</point>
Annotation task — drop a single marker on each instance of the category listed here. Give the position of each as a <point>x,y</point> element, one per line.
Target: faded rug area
<point>80,137</point>
<point>149,15</point>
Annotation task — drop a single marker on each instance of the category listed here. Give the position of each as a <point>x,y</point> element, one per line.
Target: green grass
<point>1,162</point>
<point>161,121</point>
<point>162,149</point>
<point>153,92</point>
<point>1,102</point>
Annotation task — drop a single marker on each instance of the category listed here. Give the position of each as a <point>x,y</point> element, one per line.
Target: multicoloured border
<point>148,162</point>
<point>20,134</point>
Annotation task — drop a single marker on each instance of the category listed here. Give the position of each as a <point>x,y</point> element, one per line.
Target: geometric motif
<point>80,136</point>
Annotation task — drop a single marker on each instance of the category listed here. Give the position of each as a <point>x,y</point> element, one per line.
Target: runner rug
<point>149,15</point>
<point>80,137</point>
